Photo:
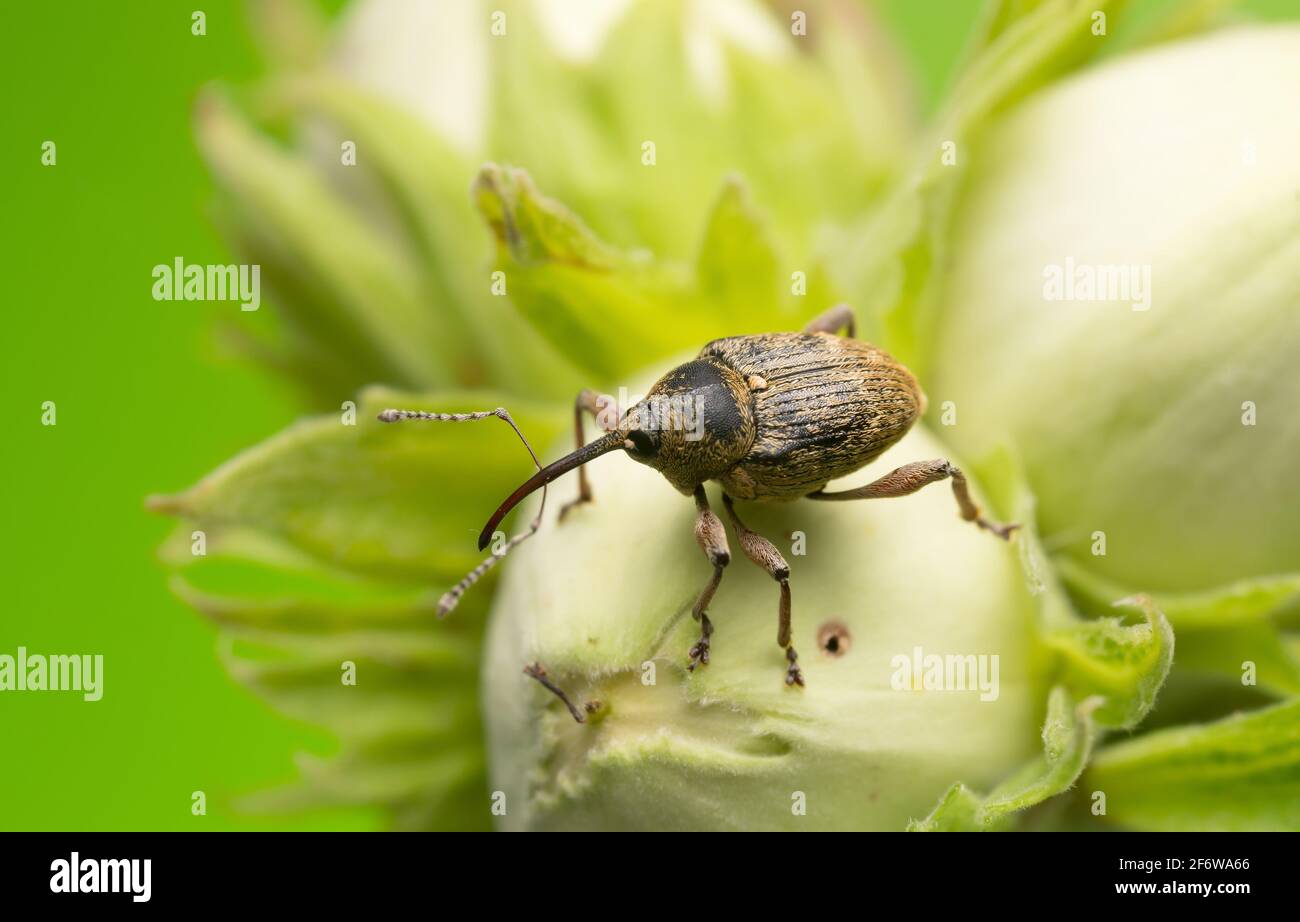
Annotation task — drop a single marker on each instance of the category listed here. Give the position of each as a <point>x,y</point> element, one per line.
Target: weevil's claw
<point>567,507</point>
<point>793,675</point>
<point>1003,531</point>
<point>699,653</point>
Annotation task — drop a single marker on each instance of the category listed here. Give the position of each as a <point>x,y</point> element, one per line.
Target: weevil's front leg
<point>764,553</point>
<point>603,411</point>
<point>911,477</point>
<point>538,672</point>
<point>712,539</point>
<point>839,317</point>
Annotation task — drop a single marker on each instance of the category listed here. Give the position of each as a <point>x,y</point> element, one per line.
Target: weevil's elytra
<point>772,417</point>
<point>830,406</point>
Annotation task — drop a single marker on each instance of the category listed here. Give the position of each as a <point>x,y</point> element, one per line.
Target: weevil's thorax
<point>695,424</point>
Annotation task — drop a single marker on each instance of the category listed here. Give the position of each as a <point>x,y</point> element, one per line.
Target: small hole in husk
<point>833,638</point>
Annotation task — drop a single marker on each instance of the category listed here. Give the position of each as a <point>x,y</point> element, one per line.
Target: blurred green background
<point>145,402</point>
<point>148,402</point>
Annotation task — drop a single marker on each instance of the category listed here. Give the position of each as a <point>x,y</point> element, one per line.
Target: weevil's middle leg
<point>588,401</point>
<point>911,477</point>
<point>839,317</point>
<point>764,553</point>
<point>712,538</point>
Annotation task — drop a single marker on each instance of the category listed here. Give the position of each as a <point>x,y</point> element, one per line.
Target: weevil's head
<point>695,424</point>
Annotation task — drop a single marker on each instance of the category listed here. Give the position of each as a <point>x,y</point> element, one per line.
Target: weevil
<point>771,418</point>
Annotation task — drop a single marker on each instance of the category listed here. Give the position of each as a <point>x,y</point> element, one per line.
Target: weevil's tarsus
<point>712,539</point>
<point>587,401</point>
<point>970,510</point>
<point>545,475</point>
<point>793,675</point>
<point>699,652</point>
<point>764,553</point>
<point>451,598</point>
<point>839,317</point>
<point>538,672</point>
<point>911,477</point>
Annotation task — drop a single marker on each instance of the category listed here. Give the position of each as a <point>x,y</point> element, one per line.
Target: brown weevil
<point>771,418</point>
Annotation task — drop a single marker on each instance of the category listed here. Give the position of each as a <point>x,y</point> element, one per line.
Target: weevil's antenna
<point>451,597</point>
<point>545,475</point>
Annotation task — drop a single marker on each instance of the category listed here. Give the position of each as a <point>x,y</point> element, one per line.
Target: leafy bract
<point>416,181</point>
<point>321,553</point>
<point>1241,631</point>
<point>1068,736</point>
<point>1240,773</point>
<point>384,500</point>
<point>363,300</point>
<point>393,687</point>
<point>813,122</point>
<point>611,311</point>
<point>1124,663</point>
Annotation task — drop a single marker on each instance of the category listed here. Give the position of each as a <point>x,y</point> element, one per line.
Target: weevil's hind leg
<point>712,538</point>
<point>451,597</point>
<point>839,317</point>
<point>538,672</point>
<point>911,477</point>
<point>588,401</point>
<point>764,553</point>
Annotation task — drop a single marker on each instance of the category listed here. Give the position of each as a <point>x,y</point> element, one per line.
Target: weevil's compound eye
<point>642,444</point>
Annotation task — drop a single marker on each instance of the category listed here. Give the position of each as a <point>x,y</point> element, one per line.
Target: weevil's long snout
<point>605,443</point>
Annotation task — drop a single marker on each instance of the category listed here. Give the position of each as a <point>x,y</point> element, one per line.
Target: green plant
<point>332,541</point>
